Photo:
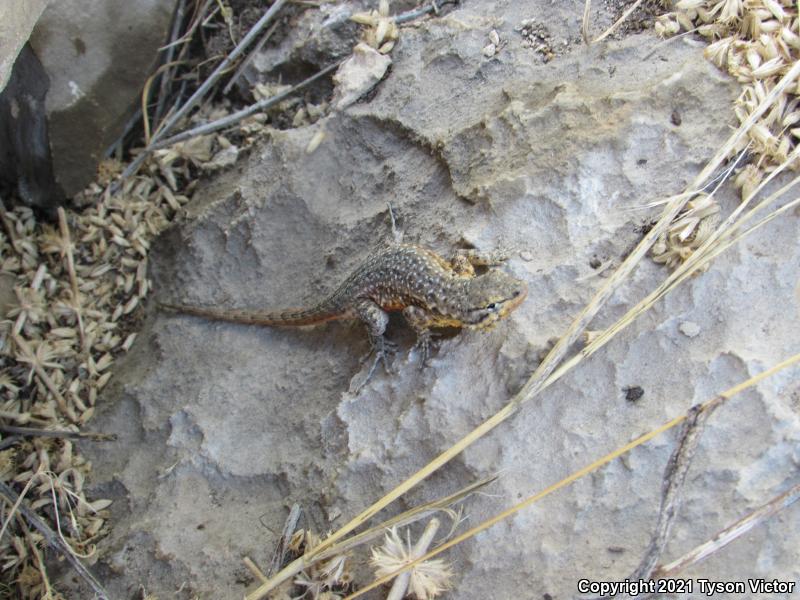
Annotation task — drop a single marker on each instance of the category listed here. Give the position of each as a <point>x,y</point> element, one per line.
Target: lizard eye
<point>491,306</point>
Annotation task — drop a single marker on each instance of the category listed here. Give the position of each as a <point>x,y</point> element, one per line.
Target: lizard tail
<point>285,318</point>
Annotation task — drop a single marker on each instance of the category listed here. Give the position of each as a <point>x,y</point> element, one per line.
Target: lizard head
<point>490,297</point>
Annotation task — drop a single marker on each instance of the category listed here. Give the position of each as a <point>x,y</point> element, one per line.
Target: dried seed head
<point>428,579</point>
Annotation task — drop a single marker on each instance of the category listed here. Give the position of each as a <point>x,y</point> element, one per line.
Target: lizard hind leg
<point>421,322</point>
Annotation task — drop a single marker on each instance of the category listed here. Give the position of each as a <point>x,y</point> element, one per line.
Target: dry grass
<point>594,466</point>
<point>78,291</point>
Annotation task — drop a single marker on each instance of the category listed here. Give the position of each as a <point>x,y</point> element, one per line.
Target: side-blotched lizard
<point>429,290</point>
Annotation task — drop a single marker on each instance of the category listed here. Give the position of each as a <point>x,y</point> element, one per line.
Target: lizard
<point>431,292</point>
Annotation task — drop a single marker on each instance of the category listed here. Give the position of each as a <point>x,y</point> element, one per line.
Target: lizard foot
<point>381,353</point>
<point>382,350</point>
<point>425,343</point>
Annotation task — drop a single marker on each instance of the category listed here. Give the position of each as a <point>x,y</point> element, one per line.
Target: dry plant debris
<point>693,226</point>
<point>78,291</point>
<point>327,580</point>
<point>426,580</point>
<point>537,37</point>
<point>757,42</point>
<point>381,31</point>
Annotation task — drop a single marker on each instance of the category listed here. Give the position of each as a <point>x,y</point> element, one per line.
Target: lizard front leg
<point>464,261</point>
<point>376,319</point>
<point>421,322</point>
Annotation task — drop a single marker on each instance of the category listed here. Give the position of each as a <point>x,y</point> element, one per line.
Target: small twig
<point>48,590</point>
<point>397,234</point>
<point>616,24</point>
<point>73,278</point>
<point>587,8</point>
<point>55,542</point>
<point>669,40</point>
<point>166,77</point>
<point>116,146</point>
<point>46,380</point>
<point>253,568</point>
<point>672,487</point>
<point>15,506</point>
<point>10,441</point>
<point>57,433</point>
<point>234,118</point>
<point>286,537</point>
<point>249,58</point>
<point>201,91</point>
<point>729,534</point>
<point>433,7</point>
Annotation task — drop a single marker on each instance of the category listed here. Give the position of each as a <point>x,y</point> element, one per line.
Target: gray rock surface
<point>98,56</point>
<point>312,40</point>
<point>17,18</point>
<point>26,168</point>
<point>222,427</point>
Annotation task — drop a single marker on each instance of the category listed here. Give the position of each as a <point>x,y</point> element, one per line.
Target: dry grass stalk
<point>729,534</point>
<point>672,486</point>
<point>249,58</point>
<point>57,433</point>
<point>546,372</point>
<point>585,22</point>
<point>253,568</point>
<point>11,513</point>
<point>706,406</point>
<point>720,241</point>
<point>73,278</point>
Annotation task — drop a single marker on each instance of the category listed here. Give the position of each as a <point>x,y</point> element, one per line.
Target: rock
<point>222,427</point>
<point>358,75</point>
<point>26,169</point>
<point>313,40</point>
<point>98,58</point>
<point>689,329</point>
<point>17,18</point>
